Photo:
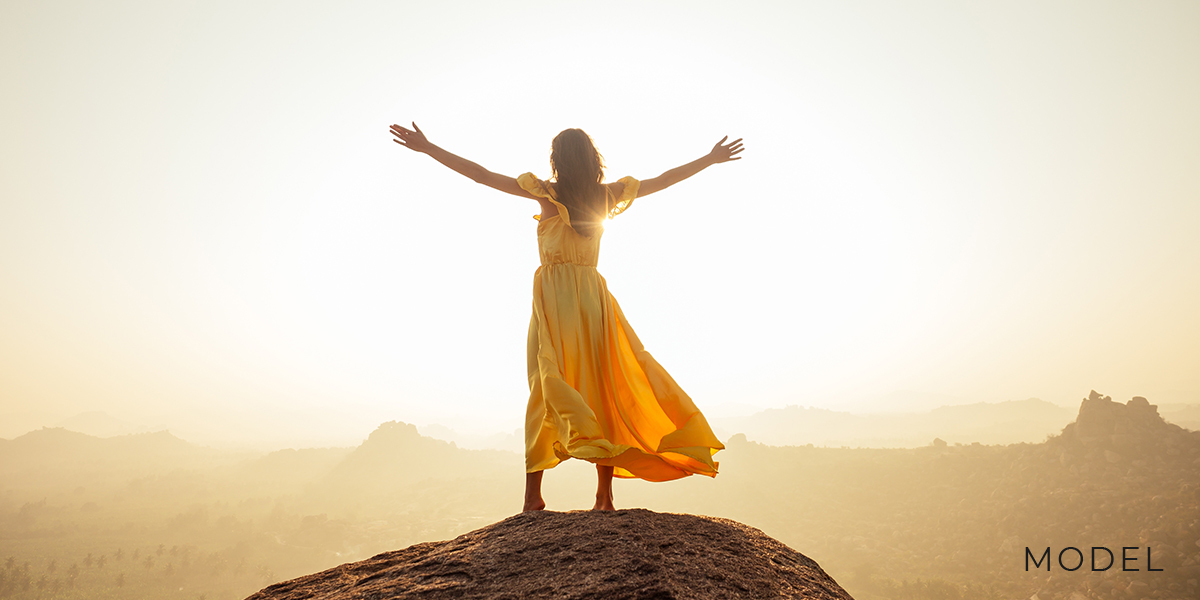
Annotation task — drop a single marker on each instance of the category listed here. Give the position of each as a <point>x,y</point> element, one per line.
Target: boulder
<point>625,554</point>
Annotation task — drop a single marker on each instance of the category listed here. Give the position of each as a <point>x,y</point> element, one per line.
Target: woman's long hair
<point>578,170</point>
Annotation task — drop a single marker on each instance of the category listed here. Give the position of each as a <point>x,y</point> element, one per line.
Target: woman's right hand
<point>724,153</point>
<point>413,139</point>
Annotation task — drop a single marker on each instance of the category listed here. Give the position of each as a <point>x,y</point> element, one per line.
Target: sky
<point>205,225</point>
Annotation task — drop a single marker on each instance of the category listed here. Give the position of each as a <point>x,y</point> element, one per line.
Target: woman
<point>595,393</point>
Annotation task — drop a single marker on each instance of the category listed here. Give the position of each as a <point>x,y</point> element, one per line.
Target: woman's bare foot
<point>604,503</point>
<point>533,492</point>
<point>604,495</point>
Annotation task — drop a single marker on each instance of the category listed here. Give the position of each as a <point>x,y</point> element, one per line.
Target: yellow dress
<point>594,391</point>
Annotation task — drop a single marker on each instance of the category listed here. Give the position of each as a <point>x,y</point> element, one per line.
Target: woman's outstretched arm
<point>720,153</point>
<point>414,139</point>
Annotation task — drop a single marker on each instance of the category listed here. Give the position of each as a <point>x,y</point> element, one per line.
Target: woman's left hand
<point>413,139</point>
<point>725,153</point>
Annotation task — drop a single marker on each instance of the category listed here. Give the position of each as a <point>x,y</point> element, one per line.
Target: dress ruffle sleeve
<point>626,198</point>
<point>535,186</point>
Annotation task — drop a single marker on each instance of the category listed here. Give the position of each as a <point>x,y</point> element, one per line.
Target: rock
<point>1134,427</point>
<point>626,554</point>
<point>939,443</point>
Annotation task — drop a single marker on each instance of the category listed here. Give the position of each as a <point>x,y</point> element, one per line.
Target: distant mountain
<point>1009,422</point>
<point>1183,415</point>
<point>101,424</point>
<point>290,470</point>
<point>54,445</point>
<point>54,454</point>
<point>513,441</point>
<point>396,461</point>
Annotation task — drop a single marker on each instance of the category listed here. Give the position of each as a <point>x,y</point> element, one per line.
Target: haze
<point>205,226</point>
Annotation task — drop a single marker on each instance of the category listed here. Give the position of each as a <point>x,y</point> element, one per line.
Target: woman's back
<point>559,238</point>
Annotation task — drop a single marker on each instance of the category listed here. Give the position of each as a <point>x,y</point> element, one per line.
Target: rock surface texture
<point>627,554</point>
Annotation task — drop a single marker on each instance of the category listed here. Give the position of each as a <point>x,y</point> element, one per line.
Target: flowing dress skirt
<point>596,394</point>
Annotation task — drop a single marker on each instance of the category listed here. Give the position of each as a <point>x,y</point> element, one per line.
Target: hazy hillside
<point>52,458</point>
<point>987,423</point>
<point>1183,415</point>
<point>286,471</point>
<point>101,424</point>
<point>1118,476</point>
<point>1011,422</point>
<point>513,441</point>
<point>948,521</point>
<point>397,471</point>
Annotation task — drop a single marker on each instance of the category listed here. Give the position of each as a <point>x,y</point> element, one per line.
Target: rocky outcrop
<point>1121,434</point>
<point>1119,475</point>
<point>1103,422</point>
<point>627,554</point>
